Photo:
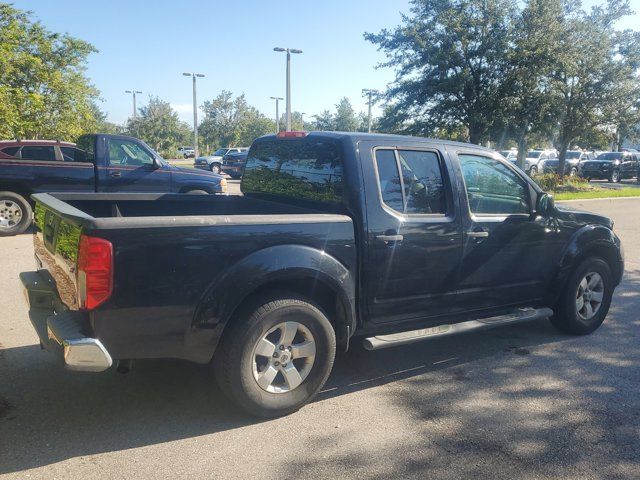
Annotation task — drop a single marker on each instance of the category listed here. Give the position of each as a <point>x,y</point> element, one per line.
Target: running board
<point>404,338</point>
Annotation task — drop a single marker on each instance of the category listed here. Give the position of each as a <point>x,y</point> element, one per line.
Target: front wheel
<point>586,299</point>
<point>215,168</point>
<point>276,356</point>
<point>615,177</point>
<point>573,172</point>
<point>15,214</point>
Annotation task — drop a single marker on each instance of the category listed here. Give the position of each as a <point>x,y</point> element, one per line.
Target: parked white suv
<point>187,152</point>
<point>534,162</point>
<point>213,162</point>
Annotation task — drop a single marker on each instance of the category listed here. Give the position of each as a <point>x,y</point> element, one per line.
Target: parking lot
<point>515,402</point>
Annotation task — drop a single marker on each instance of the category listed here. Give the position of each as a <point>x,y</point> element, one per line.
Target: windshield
<point>573,154</point>
<point>610,156</point>
<point>220,152</point>
<point>534,154</point>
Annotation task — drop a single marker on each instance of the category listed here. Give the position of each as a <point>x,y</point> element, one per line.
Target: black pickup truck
<point>98,163</point>
<point>339,237</point>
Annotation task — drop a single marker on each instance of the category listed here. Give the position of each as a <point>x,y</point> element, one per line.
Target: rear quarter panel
<point>174,288</point>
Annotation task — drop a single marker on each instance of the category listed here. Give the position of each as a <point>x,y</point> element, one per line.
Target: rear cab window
<point>307,168</point>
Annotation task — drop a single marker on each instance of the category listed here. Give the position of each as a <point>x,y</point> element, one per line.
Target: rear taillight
<point>95,271</point>
<point>291,134</point>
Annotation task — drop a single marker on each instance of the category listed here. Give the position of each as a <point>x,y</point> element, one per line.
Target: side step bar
<point>404,338</point>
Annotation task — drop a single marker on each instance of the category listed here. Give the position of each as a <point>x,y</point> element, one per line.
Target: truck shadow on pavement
<point>525,393</point>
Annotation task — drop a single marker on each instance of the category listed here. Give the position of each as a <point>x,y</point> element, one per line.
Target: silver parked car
<point>213,162</point>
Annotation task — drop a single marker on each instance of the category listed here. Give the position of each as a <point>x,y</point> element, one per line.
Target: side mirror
<point>156,163</point>
<point>545,204</point>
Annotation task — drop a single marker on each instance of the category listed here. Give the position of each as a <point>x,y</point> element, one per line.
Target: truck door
<point>414,234</point>
<point>47,173</point>
<point>508,251</point>
<point>130,167</point>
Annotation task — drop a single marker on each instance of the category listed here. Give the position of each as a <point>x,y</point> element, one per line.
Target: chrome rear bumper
<point>60,330</point>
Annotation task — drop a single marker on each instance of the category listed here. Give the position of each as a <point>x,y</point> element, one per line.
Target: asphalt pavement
<point>516,402</point>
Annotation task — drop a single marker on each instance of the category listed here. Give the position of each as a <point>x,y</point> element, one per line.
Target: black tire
<point>197,192</point>
<point>573,172</point>
<point>234,359</point>
<point>567,319</point>
<point>15,214</point>
<point>533,171</point>
<point>215,168</point>
<point>614,177</point>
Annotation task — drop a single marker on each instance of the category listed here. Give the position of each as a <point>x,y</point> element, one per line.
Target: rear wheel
<point>197,192</point>
<point>586,299</point>
<point>573,172</point>
<point>15,214</point>
<point>277,355</point>
<point>533,171</point>
<point>215,168</point>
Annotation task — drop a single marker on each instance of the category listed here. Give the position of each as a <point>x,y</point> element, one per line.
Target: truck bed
<point>182,262</point>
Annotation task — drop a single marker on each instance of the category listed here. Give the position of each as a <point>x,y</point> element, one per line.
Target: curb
<point>597,199</point>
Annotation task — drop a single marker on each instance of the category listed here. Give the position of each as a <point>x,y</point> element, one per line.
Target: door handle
<point>115,174</point>
<point>478,234</point>
<point>390,238</point>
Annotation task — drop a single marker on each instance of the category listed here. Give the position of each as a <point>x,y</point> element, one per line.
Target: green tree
<point>536,47</point>
<point>449,57</point>
<point>44,92</point>
<point>160,127</point>
<point>345,119</point>
<point>595,77</point>
<point>324,121</point>
<point>296,121</point>
<point>232,121</point>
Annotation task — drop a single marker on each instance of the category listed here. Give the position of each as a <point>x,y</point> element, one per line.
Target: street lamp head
<point>200,75</point>
<point>276,98</point>
<point>138,91</point>
<point>186,74</point>
<point>128,91</point>
<point>295,50</point>
<point>279,49</point>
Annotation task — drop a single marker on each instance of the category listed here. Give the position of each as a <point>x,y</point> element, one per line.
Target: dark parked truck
<point>98,163</point>
<point>339,238</point>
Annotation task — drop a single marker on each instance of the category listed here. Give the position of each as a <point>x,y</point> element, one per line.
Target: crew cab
<point>98,163</point>
<point>339,238</point>
<point>611,166</point>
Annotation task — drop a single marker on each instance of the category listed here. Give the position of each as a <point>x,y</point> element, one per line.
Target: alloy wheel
<point>284,357</point>
<point>10,214</point>
<point>589,296</point>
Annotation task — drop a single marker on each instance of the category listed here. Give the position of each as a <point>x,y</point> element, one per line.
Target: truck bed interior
<point>171,205</point>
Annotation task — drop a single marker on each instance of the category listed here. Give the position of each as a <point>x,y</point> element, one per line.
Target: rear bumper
<point>232,170</point>
<point>61,331</point>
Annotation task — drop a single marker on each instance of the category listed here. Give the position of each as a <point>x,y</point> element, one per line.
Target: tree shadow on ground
<point>533,399</point>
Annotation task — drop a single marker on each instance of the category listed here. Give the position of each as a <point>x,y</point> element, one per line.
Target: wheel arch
<point>298,269</point>
<point>590,241</point>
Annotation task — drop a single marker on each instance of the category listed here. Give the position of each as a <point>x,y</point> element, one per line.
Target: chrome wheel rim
<point>283,357</point>
<point>589,296</point>
<point>10,214</point>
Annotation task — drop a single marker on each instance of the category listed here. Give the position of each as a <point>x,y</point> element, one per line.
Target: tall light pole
<point>133,92</point>
<point>302,114</point>
<point>195,111</point>
<point>277,99</point>
<point>289,52</point>
<point>370,93</point>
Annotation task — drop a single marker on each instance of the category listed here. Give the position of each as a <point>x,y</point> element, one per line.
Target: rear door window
<point>411,181</point>
<point>33,152</point>
<point>71,154</point>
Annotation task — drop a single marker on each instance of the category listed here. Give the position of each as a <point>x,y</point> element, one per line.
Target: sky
<point>146,46</point>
